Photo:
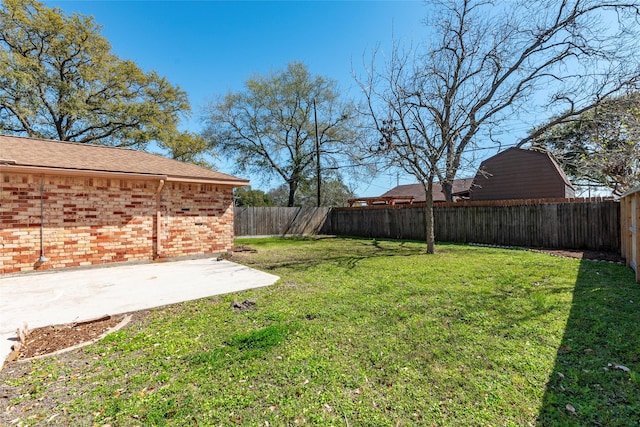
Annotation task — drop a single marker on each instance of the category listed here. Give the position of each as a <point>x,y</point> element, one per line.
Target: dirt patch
<point>244,248</point>
<point>244,305</point>
<point>50,339</point>
<point>50,407</point>
<point>566,253</point>
<point>588,255</point>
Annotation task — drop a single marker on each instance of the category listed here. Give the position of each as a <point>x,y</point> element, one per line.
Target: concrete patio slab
<point>56,297</point>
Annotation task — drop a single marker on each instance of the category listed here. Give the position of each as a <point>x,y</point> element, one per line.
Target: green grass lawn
<point>376,333</point>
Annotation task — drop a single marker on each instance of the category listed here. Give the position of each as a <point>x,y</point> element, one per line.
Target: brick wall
<point>193,222</point>
<point>91,221</point>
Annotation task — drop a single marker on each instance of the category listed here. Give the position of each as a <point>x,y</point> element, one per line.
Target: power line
<point>473,149</point>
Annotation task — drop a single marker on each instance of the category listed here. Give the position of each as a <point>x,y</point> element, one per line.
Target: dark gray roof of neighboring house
<point>417,191</point>
<point>40,153</point>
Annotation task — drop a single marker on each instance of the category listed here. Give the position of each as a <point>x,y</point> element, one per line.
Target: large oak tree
<point>59,80</point>
<point>270,126</point>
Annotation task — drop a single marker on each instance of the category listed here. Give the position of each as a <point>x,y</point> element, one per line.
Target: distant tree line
<point>335,193</point>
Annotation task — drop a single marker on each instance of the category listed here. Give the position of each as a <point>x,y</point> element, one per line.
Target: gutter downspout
<point>42,257</point>
<point>158,248</point>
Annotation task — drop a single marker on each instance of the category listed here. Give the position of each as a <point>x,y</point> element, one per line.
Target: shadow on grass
<point>359,250</point>
<point>596,377</point>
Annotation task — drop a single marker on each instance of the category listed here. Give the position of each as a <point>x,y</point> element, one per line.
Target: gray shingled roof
<point>86,157</point>
<point>417,191</point>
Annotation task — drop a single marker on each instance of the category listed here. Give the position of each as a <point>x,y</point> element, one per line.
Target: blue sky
<point>211,47</point>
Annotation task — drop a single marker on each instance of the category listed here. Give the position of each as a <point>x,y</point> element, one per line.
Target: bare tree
<point>489,63</point>
<point>407,138</point>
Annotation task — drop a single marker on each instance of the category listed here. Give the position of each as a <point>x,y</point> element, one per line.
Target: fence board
<point>279,221</point>
<point>588,225</point>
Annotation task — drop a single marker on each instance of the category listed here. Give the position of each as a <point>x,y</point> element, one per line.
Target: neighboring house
<point>66,204</point>
<point>512,174</point>
<point>414,193</point>
<point>520,174</point>
<point>460,186</point>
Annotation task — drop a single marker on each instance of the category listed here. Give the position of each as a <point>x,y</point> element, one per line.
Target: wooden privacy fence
<point>561,225</point>
<point>630,218</point>
<point>591,226</point>
<point>280,221</point>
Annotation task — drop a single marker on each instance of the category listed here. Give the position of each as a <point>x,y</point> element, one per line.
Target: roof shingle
<point>417,190</point>
<point>41,153</point>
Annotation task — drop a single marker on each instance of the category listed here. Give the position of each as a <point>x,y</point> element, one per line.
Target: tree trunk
<point>447,189</point>
<point>428,217</point>
<point>293,186</point>
<point>453,164</point>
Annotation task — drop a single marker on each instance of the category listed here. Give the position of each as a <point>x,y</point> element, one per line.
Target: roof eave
<point>11,168</point>
<point>631,191</point>
<point>232,182</point>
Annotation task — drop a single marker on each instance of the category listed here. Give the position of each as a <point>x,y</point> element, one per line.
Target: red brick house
<point>66,204</point>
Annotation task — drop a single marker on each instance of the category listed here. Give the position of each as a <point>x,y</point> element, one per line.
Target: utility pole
<point>318,169</point>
